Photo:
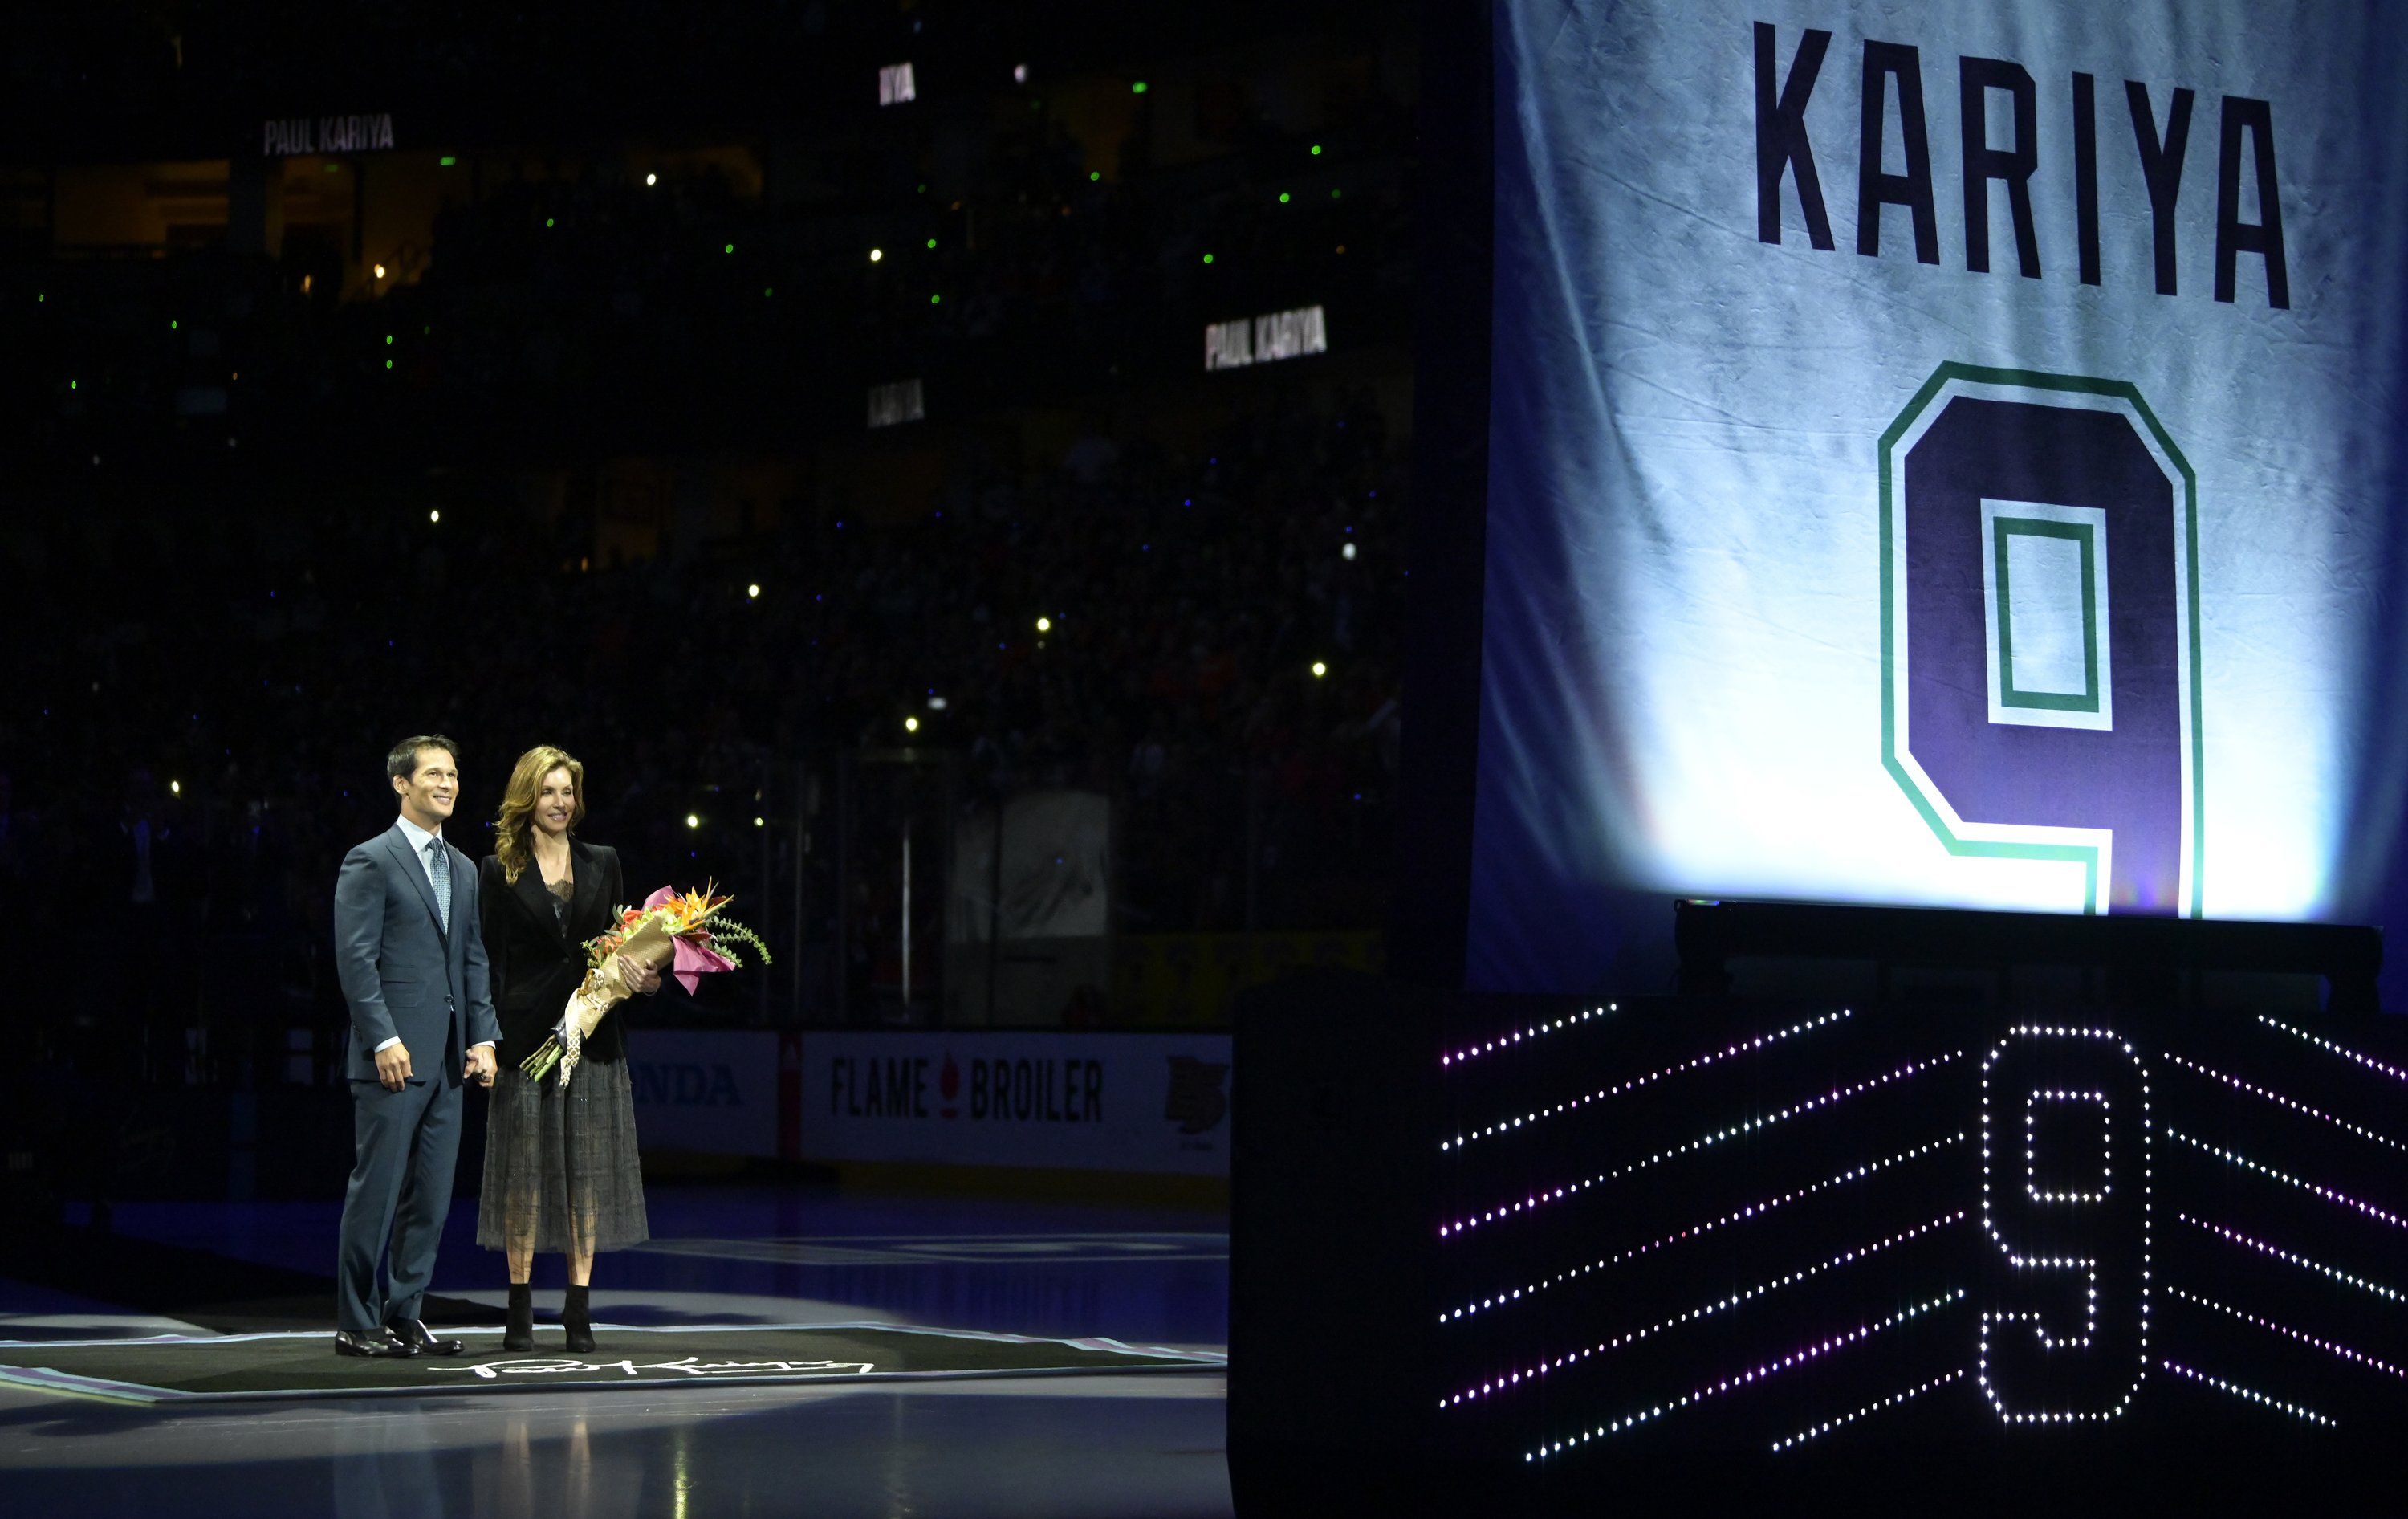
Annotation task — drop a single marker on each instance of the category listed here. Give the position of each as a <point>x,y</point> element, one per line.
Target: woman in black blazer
<point>561,1167</point>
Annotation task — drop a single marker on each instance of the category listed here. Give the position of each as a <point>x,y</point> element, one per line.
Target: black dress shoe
<point>378,1342</point>
<point>412,1333</point>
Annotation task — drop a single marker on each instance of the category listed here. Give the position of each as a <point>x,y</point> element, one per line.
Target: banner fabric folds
<point>1939,455</point>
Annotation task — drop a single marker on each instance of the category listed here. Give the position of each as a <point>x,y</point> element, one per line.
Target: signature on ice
<point>690,1366</point>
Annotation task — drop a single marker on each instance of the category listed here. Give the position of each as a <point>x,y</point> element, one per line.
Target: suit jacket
<point>538,961</point>
<point>404,975</point>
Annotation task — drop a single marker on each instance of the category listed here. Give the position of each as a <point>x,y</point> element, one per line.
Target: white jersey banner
<point>1941,455</point>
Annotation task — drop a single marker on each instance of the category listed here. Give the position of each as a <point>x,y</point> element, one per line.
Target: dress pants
<point>400,1190</point>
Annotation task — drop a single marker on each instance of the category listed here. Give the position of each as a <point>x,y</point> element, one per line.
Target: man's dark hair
<point>402,760</point>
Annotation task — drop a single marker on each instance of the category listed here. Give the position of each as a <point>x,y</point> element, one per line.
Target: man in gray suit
<point>412,968</point>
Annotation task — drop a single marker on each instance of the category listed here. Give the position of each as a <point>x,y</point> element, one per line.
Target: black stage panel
<point>1713,1250</point>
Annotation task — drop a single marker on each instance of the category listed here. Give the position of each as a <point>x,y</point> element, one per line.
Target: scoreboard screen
<point>1686,1239</point>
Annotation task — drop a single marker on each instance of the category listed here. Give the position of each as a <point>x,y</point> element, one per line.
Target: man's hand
<point>393,1065</point>
<point>481,1065</point>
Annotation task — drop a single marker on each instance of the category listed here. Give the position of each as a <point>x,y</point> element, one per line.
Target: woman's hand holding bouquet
<point>684,933</point>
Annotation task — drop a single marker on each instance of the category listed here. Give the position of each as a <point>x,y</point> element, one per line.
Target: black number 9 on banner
<point>2065,1204</point>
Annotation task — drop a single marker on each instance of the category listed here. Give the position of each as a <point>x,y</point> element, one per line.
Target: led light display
<point>1707,1231</point>
<point>2271,1326</point>
<point>2050,1370</point>
<point>1755,1209</point>
<point>2253,1088</point>
<point>2278,1253</point>
<point>1870,1409</point>
<point>1739,1129</point>
<point>1574,1104</point>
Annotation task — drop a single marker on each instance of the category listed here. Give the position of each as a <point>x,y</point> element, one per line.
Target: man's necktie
<point>438,869</point>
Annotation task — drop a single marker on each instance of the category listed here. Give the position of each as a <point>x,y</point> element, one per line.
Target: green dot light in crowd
<point>1316,149</point>
<point>1208,258</point>
<point>1282,198</point>
<point>932,242</point>
<point>1138,89</point>
<point>446,161</point>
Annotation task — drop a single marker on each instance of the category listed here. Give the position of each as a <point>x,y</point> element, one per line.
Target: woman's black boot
<point>521,1334</point>
<point>577,1317</point>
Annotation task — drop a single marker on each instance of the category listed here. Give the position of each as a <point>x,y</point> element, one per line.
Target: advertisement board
<point>711,1092</point>
<point>1081,1101</point>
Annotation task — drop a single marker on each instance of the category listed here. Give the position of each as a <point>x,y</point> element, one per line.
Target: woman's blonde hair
<point>518,803</point>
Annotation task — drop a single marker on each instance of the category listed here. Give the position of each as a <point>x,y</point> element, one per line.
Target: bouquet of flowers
<point>684,932</point>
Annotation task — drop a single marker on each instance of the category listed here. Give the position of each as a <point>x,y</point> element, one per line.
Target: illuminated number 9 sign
<point>2065,1205</point>
<point>2040,630</point>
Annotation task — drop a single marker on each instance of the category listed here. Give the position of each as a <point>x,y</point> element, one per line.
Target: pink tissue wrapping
<point>693,961</point>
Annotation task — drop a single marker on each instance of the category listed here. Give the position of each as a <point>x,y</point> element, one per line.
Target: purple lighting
<point>1558,1364</point>
<point>2238,1391</point>
<point>2343,1351</point>
<point>1891,1401</point>
<point>1743,1047</point>
<point>2368,1060</point>
<point>1707,1141</point>
<point>2239,1085</point>
<point>2280,1254</point>
<point>2328,1194</point>
<point>1769,1369</point>
<point>1736,1216</point>
<point>1472,1051</point>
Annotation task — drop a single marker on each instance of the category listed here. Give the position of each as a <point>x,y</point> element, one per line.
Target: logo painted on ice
<point>2040,630</point>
